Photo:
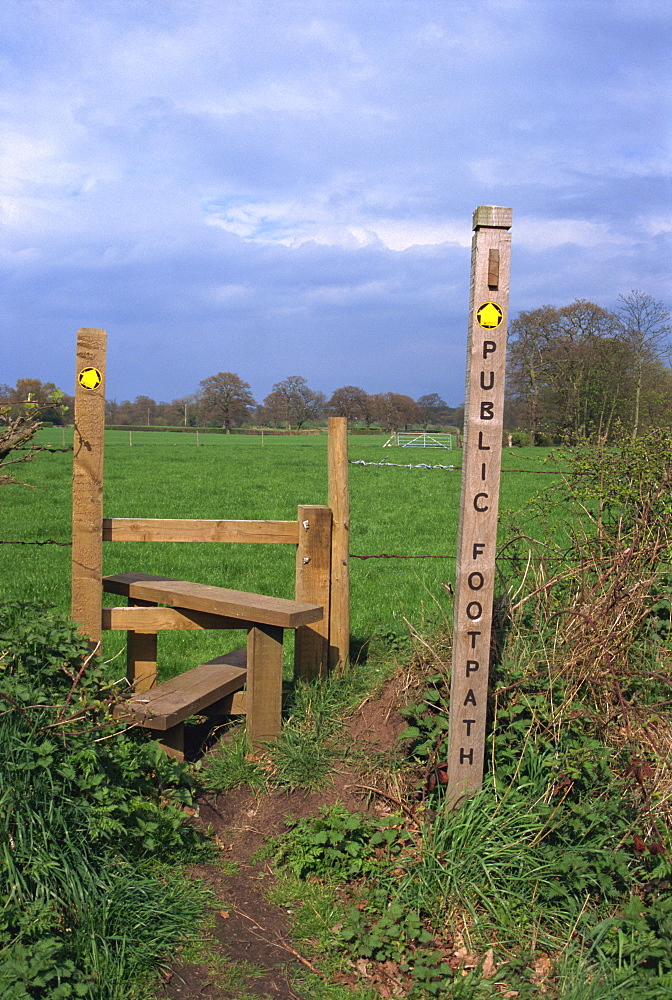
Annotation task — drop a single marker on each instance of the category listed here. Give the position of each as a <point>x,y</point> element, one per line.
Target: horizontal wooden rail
<point>147,529</point>
<point>150,620</point>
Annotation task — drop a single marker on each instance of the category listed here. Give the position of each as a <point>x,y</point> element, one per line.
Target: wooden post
<point>339,501</point>
<point>87,482</point>
<point>172,741</point>
<point>141,660</point>
<point>313,576</point>
<point>263,700</point>
<point>481,465</point>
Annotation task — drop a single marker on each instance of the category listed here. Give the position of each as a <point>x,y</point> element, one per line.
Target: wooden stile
<point>155,619</point>
<point>87,483</point>
<point>141,656</point>
<point>339,502</point>
<point>195,606</point>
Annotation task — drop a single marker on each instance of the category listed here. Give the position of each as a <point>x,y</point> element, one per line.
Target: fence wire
<point>457,468</point>
<point>397,465</point>
<point>48,541</point>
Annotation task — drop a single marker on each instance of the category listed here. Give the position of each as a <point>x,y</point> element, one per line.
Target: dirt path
<point>248,928</point>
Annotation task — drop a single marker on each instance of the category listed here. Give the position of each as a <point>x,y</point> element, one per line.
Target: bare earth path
<point>248,928</point>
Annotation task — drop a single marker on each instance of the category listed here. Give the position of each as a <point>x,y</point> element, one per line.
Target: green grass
<point>396,511</point>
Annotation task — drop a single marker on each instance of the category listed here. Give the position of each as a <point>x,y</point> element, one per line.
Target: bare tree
<point>644,325</point>
<point>431,410</point>
<point>18,423</point>
<point>350,401</point>
<point>395,410</point>
<point>293,402</point>
<point>227,397</point>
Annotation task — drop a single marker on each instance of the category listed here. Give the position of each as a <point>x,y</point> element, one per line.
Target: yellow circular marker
<point>89,378</point>
<point>489,315</point>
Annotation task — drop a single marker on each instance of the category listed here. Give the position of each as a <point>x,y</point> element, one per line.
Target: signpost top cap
<point>493,216</point>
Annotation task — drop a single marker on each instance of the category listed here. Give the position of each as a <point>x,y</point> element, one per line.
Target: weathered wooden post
<point>481,466</point>
<point>339,501</point>
<point>313,585</point>
<point>87,482</point>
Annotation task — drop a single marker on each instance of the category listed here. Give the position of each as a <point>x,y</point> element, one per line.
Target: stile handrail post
<point>339,501</point>
<point>313,585</point>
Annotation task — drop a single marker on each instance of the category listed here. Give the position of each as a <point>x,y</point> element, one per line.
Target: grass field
<point>396,511</point>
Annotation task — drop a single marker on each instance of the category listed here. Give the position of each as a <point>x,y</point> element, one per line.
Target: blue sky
<point>281,187</point>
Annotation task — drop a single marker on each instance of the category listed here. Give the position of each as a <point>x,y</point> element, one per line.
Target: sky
<point>286,187</point>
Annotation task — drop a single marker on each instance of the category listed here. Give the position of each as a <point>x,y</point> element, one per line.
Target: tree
<point>226,396</point>
<point>431,410</point>
<point>183,411</point>
<point>293,402</point>
<point>569,371</point>
<point>582,370</point>
<point>352,402</point>
<point>527,370</point>
<point>644,326</point>
<point>395,410</point>
<point>41,394</point>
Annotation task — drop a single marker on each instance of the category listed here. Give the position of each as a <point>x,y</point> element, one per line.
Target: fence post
<point>87,482</point>
<point>339,501</point>
<point>313,585</point>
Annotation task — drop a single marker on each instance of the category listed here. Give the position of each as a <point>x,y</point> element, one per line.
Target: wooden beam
<point>339,502</point>
<point>154,619</point>
<point>87,481</point>
<point>146,529</point>
<point>235,604</point>
<point>313,584</point>
<point>481,465</point>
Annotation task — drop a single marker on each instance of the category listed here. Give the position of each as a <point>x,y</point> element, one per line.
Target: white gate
<point>422,440</point>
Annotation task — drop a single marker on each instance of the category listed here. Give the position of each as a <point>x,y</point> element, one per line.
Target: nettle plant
<point>362,852</point>
<point>85,810</point>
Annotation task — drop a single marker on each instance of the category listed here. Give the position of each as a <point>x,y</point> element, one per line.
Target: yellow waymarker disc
<point>489,315</point>
<point>89,378</point>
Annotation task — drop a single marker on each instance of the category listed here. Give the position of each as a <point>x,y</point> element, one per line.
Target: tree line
<point>225,400</point>
<point>573,372</point>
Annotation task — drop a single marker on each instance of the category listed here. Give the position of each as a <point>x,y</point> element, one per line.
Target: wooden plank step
<point>188,694</point>
<point>215,600</point>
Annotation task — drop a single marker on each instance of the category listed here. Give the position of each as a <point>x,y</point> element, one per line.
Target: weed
<point>228,766</point>
<point>84,809</point>
<point>337,845</point>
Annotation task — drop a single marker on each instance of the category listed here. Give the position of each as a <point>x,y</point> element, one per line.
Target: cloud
<point>289,186</point>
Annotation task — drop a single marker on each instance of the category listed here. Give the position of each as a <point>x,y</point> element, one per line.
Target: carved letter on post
<point>481,465</point>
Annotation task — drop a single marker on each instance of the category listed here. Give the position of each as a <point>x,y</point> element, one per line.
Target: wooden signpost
<point>481,465</point>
